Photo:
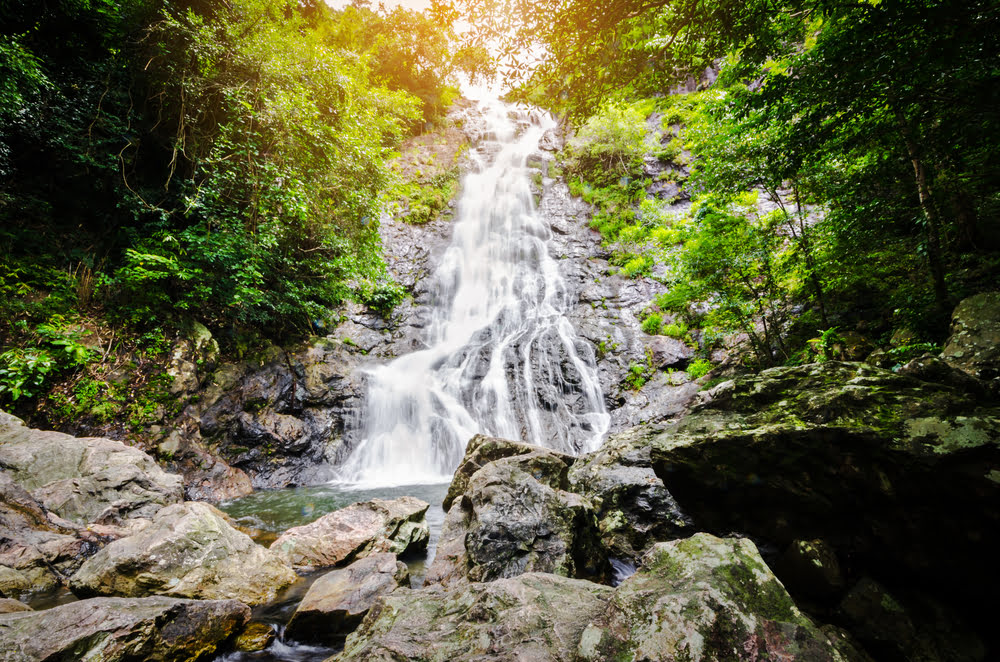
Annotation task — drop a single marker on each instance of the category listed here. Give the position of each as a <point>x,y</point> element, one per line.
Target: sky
<point>409,4</point>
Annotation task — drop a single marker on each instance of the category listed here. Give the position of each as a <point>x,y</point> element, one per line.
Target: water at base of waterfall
<point>501,358</point>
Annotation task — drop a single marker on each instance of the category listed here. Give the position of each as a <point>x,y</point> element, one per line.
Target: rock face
<point>354,532</point>
<point>85,480</point>
<point>188,551</point>
<point>337,601</point>
<point>974,345</point>
<point>121,630</point>
<point>696,599</point>
<point>893,473</point>
<point>704,598</point>
<point>515,515</point>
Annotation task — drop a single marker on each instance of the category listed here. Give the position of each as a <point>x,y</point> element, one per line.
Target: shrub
<point>699,368</point>
<point>653,324</point>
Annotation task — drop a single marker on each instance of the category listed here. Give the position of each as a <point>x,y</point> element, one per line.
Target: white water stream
<point>502,357</point>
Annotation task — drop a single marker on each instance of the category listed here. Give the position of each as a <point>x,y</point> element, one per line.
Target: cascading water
<point>502,358</point>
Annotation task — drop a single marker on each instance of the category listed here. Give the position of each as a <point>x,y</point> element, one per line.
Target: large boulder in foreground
<point>534,616</point>
<point>337,601</point>
<point>515,515</point>
<point>189,551</point>
<point>974,344</point>
<point>894,473</point>
<point>702,599</point>
<point>121,630</point>
<point>705,598</point>
<point>354,532</point>
<point>85,480</point>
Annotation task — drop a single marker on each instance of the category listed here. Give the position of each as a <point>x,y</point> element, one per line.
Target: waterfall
<point>501,358</point>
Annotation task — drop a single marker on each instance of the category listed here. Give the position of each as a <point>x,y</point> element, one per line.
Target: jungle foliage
<point>164,160</point>
<point>866,129</point>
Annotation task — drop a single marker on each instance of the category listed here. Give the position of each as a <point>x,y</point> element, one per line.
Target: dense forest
<point>165,162</point>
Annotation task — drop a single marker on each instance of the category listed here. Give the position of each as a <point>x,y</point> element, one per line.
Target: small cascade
<point>501,358</point>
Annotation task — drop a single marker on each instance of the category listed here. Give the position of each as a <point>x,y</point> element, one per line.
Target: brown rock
<point>354,532</point>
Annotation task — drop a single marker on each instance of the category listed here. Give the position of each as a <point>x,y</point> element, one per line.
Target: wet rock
<point>85,480</point>
<point>155,629</point>
<point>11,606</point>
<point>337,601</point>
<point>919,630</point>
<point>704,598</point>
<point>256,636</point>
<point>482,450</point>
<point>514,516</point>
<point>634,508</point>
<point>810,567</point>
<point>892,472</point>
<point>189,550</point>
<point>974,343</point>
<point>354,532</point>
<point>535,616</point>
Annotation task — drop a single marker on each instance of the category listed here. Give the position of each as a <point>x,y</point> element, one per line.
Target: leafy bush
<point>676,329</point>
<point>637,376</point>
<point>609,146</point>
<point>699,368</point>
<point>653,324</point>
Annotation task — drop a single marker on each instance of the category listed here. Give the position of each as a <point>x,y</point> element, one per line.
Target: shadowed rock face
<point>703,598</point>
<point>156,629</point>
<point>190,551</point>
<point>354,532</point>
<point>974,345</point>
<point>337,601</point>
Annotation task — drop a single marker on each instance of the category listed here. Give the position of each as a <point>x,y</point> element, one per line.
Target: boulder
<point>666,352</point>
<point>256,636</point>
<point>85,480</point>
<point>634,508</point>
<point>914,628</point>
<point>974,343</point>
<point>354,532</point>
<point>704,598</point>
<point>190,551</point>
<point>516,516</point>
<point>892,472</point>
<point>157,629</point>
<point>37,549</point>
<point>810,568</point>
<point>337,601</point>
<point>534,616</point>
<point>482,450</point>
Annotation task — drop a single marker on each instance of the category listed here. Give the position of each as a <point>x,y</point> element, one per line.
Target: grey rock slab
<point>154,629</point>
<point>85,480</point>
<point>189,550</point>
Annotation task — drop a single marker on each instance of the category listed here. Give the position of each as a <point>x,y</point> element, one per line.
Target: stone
<point>634,507</point>
<point>810,567</point>
<point>974,343</point>
<point>534,616</point>
<point>11,606</point>
<point>913,629</point>
<point>256,636</point>
<point>156,629</point>
<point>667,352</point>
<point>85,480</point>
<point>337,601</point>
<point>891,471</point>
<point>704,598</point>
<point>189,550</point>
<point>354,532</point>
<point>516,515</point>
